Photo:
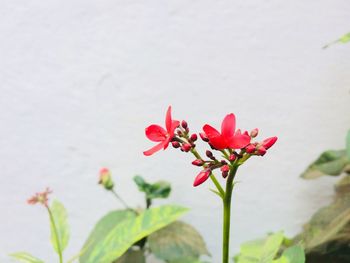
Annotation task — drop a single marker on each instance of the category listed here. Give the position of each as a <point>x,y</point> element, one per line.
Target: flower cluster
<point>234,146</point>
<point>41,198</point>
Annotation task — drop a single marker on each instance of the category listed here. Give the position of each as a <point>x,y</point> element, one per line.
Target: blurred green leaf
<point>160,189</point>
<point>177,241</point>
<point>132,256</point>
<point>129,231</point>
<point>328,163</point>
<point>348,144</point>
<point>26,257</point>
<point>343,40</point>
<point>261,250</point>
<point>294,254</point>
<point>60,216</point>
<point>101,230</point>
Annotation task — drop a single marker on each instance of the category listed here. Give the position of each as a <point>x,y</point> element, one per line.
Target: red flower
<point>157,133</point>
<point>228,138</point>
<point>41,198</point>
<point>201,177</point>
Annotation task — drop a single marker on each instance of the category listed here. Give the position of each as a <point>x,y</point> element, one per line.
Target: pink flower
<point>157,133</point>
<point>41,198</point>
<point>201,177</point>
<point>228,138</point>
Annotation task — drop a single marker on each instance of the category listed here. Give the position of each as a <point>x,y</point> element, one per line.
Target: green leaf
<point>134,256</point>
<point>160,189</point>
<point>343,40</point>
<point>129,231</point>
<point>101,230</point>
<point>60,216</point>
<point>176,241</point>
<point>26,257</point>
<point>294,254</point>
<point>328,163</point>
<point>348,145</point>
<point>260,251</point>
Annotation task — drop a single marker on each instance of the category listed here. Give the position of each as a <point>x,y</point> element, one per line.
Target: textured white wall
<point>80,80</point>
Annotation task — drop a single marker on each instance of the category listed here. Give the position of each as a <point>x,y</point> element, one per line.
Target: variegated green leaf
<point>260,251</point>
<point>177,241</point>
<point>134,256</point>
<point>294,254</point>
<point>129,231</point>
<point>26,257</point>
<point>60,217</point>
<point>101,230</point>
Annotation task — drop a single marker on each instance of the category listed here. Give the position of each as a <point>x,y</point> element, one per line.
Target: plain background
<point>80,80</point>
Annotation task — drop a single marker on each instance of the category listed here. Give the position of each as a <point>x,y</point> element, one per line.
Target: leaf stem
<point>120,199</point>
<point>52,220</point>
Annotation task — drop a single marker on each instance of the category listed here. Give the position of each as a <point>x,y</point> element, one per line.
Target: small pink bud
<point>193,137</point>
<point>175,144</point>
<point>198,162</point>
<point>184,124</point>
<point>225,168</point>
<point>246,133</point>
<point>267,143</point>
<point>261,151</point>
<point>179,133</point>
<point>232,157</point>
<point>250,148</point>
<point>186,147</point>
<point>106,179</point>
<point>254,133</point>
<point>203,136</point>
<point>223,162</point>
<point>201,177</point>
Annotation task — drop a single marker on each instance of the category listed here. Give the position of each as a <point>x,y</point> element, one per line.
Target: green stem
<point>120,199</point>
<point>227,215</point>
<point>56,234</point>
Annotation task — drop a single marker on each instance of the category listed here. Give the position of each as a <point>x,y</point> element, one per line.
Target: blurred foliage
<point>342,40</point>
<point>328,231</point>
<point>270,250</point>
<point>160,189</point>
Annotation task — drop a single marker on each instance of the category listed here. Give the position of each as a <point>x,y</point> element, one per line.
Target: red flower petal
<point>201,177</point>
<point>215,138</point>
<point>154,149</point>
<point>156,133</point>
<point>174,125</point>
<point>168,120</point>
<point>239,141</point>
<point>267,143</point>
<point>210,131</point>
<point>228,126</point>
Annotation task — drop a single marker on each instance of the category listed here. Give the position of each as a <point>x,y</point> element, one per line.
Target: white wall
<point>80,80</point>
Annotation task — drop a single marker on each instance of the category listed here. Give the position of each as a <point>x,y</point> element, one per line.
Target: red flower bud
<point>198,162</point>
<point>250,148</point>
<point>175,144</point>
<point>224,170</point>
<point>232,157</point>
<point>246,133</point>
<point>223,162</point>
<point>186,147</point>
<point>210,155</point>
<point>184,124</point>
<point>201,177</point>
<point>267,143</point>
<point>261,150</point>
<point>203,136</point>
<point>254,133</point>
<point>179,133</point>
<point>193,137</point>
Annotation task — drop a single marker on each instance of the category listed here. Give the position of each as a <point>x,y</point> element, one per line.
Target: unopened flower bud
<point>267,143</point>
<point>232,157</point>
<point>209,154</point>
<point>106,179</point>
<point>254,133</point>
<point>179,133</point>
<point>223,162</point>
<point>201,177</point>
<point>198,162</point>
<point>184,124</point>
<point>193,137</point>
<point>186,147</point>
<point>224,170</point>
<point>246,133</point>
<point>261,151</point>
<point>175,144</point>
<point>203,136</point>
<point>250,148</point>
